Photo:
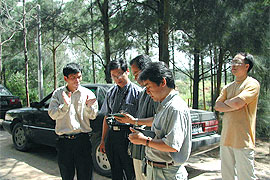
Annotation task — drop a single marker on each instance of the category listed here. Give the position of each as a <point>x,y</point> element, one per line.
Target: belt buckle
<point>150,162</point>
<point>71,137</point>
<point>116,128</point>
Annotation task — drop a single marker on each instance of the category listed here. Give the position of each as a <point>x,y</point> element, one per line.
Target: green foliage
<point>202,25</point>
<point>263,117</point>
<point>249,28</point>
<point>16,84</point>
<point>183,87</point>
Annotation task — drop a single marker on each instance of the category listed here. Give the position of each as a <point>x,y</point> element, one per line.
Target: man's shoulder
<point>253,81</point>
<point>85,90</point>
<point>135,87</point>
<point>229,85</point>
<point>178,104</point>
<point>59,89</point>
<point>113,88</point>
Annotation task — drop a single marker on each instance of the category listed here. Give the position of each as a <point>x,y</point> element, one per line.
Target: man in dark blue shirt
<point>123,97</point>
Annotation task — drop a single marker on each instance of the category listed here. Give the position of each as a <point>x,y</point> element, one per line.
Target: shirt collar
<point>79,89</point>
<point>169,97</point>
<point>123,89</point>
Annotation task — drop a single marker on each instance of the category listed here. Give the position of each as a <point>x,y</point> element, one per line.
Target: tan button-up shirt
<point>238,127</point>
<point>73,118</point>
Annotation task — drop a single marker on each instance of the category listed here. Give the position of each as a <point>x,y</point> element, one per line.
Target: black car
<point>30,125</point>
<point>8,101</point>
<point>33,125</point>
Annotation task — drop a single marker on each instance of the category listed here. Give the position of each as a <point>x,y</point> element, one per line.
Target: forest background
<point>196,38</point>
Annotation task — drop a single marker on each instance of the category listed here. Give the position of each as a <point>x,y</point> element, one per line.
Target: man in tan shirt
<point>238,100</point>
<point>72,106</point>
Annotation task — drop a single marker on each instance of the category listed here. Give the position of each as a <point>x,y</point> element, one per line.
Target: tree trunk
<point>25,56</point>
<point>204,104</point>
<point>190,86</point>
<point>219,71</point>
<point>40,64</point>
<point>212,82</point>
<point>54,68</point>
<point>196,79</point>
<point>147,43</point>
<point>92,45</point>
<point>1,75</point>
<point>163,10</point>
<point>225,73</point>
<point>173,60</point>
<point>104,8</point>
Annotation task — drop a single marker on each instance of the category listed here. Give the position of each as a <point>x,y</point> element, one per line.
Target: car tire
<point>19,138</point>
<point>100,161</point>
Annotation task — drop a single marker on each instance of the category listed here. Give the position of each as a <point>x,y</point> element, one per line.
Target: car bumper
<point>205,143</point>
<point>2,113</point>
<point>7,125</point>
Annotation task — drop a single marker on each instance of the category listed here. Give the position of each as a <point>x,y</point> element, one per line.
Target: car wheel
<point>19,137</point>
<point>100,160</point>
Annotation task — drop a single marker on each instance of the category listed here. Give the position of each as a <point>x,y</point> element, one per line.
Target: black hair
<point>248,59</point>
<point>116,64</point>
<point>141,61</point>
<point>71,68</point>
<point>155,72</point>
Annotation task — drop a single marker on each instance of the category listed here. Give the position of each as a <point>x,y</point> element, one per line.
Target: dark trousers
<point>116,146</point>
<point>75,154</point>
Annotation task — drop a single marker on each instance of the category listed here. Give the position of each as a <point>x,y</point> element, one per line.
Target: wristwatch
<point>136,122</point>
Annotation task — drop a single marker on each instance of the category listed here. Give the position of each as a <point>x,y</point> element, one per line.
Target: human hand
<point>102,147</point>
<point>136,137</point>
<point>90,102</point>
<point>126,119</point>
<point>67,98</point>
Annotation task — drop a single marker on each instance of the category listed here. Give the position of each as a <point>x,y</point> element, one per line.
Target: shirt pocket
<point>130,108</point>
<point>158,131</point>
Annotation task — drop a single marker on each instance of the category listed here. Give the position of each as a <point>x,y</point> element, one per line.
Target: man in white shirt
<point>72,106</point>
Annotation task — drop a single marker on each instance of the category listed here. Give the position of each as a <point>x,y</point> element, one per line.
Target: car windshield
<point>4,91</point>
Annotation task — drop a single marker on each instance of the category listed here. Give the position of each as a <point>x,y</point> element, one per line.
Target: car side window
<point>4,91</point>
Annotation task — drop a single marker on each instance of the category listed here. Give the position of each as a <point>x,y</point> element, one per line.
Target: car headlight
<point>8,117</point>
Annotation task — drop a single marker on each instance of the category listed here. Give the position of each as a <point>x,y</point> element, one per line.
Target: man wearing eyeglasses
<point>238,100</point>
<point>123,97</point>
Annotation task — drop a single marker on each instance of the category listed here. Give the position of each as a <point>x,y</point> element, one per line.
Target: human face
<point>136,72</point>
<point>154,90</point>
<point>73,81</point>
<point>120,77</point>
<point>239,68</point>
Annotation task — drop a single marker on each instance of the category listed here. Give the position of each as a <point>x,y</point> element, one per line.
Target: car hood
<point>19,110</point>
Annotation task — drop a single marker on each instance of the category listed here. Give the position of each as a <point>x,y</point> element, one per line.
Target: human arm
<point>138,138</point>
<point>220,105</point>
<point>223,107</point>
<point>104,134</point>
<point>59,104</point>
<point>249,93</point>
<point>91,107</point>
<point>235,103</point>
<point>131,120</point>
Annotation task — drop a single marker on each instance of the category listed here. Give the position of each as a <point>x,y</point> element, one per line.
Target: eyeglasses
<point>235,63</point>
<point>119,76</point>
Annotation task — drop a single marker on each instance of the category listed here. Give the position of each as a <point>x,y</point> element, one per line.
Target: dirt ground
<point>207,166</point>
<point>40,163</point>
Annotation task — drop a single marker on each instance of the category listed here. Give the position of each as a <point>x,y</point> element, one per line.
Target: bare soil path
<point>207,166</point>
<point>40,163</point>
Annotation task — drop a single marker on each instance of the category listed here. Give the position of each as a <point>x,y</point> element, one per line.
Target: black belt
<point>159,164</point>
<point>72,136</point>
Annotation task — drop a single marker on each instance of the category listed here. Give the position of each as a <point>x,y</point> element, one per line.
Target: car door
<point>43,126</point>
